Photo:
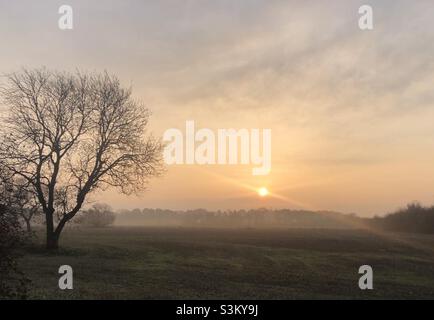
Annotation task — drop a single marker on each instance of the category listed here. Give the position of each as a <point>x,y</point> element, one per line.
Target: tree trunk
<point>52,241</point>
<point>52,236</point>
<point>28,226</point>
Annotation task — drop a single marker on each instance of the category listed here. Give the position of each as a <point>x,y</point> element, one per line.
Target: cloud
<point>333,95</point>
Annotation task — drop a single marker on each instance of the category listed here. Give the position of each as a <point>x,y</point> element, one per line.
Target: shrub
<point>100,215</point>
<point>13,283</point>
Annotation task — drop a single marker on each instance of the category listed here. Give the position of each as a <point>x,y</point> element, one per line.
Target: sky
<point>350,111</point>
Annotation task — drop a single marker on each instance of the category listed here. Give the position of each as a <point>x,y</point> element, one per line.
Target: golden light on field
<point>263,192</point>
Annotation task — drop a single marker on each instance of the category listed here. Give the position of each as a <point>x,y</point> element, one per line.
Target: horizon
<point>121,210</point>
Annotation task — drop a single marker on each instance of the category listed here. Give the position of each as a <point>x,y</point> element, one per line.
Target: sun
<point>263,192</point>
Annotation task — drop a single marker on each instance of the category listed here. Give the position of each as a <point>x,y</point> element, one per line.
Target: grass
<point>181,263</point>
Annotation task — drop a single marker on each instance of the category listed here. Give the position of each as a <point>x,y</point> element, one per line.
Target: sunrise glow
<point>263,192</point>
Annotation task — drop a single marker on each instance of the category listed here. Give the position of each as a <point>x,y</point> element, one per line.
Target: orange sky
<point>350,111</point>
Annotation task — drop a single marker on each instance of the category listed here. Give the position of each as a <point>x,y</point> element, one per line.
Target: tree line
<point>413,218</point>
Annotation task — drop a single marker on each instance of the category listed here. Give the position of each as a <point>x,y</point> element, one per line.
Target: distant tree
<point>20,199</point>
<point>100,215</point>
<point>13,284</point>
<point>69,135</point>
<point>413,218</point>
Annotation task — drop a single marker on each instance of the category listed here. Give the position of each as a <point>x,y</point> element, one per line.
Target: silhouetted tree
<point>100,215</point>
<point>12,281</point>
<point>70,134</point>
<point>19,198</point>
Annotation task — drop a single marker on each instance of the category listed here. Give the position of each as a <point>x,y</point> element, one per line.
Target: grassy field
<point>181,263</point>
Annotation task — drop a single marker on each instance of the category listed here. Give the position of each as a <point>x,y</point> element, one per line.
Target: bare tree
<point>13,284</point>
<point>20,198</point>
<point>68,135</point>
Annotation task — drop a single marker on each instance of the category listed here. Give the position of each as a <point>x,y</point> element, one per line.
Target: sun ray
<point>270,194</point>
